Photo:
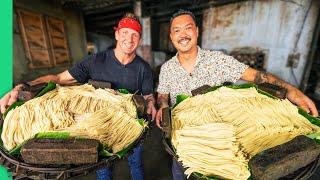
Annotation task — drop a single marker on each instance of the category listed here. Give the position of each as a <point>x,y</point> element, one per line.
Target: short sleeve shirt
<point>136,76</point>
<point>211,68</point>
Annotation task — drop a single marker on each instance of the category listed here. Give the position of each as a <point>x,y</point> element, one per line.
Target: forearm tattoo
<point>163,100</point>
<point>263,77</point>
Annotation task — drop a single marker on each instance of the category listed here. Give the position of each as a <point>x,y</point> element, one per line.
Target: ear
<point>197,31</point>
<point>116,35</point>
<point>170,34</point>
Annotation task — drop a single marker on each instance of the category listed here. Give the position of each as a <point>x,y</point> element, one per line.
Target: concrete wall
<point>277,27</point>
<point>101,42</point>
<point>75,31</point>
<point>144,49</point>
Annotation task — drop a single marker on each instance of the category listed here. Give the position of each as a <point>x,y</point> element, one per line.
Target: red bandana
<point>129,23</point>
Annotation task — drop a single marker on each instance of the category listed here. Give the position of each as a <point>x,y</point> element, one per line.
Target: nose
<point>130,38</point>
<point>183,33</point>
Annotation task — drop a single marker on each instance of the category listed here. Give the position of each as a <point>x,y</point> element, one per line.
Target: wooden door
<point>34,39</point>
<point>58,41</point>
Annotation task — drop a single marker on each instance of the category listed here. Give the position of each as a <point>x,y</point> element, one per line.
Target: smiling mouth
<point>128,45</point>
<point>184,41</point>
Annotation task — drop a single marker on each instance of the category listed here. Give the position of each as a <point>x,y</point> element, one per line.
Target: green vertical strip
<point>6,36</point>
<point>5,60</point>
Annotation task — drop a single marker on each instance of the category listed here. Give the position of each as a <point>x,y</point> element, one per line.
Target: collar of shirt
<point>117,61</point>
<point>199,59</point>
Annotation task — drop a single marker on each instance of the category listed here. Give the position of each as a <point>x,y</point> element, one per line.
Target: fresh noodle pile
<point>112,126</point>
<point>211,149</point>
<point>259,122</point>
<point>81,110</point>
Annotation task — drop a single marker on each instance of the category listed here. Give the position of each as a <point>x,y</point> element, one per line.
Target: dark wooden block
<point>275,90</point>
<point>60,151</point>
<point>201,90</point>
<point>284,159</point>
<point>140,104</point>
<point>99,84</point>
<point>166,122</point>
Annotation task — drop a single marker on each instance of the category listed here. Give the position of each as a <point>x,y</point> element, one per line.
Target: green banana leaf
<point>1,142</point>
<point>50,86</point>
<point>105,153</point>
<point>123,91</point>
<point>313,120</point>
<point>203,177</point>
<point>180,98</point>
<point>315,136</point>
<point>53,135</point>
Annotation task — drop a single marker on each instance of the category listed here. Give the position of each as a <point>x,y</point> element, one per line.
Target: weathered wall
<point>75,31</point>
<point>101,42</point>
<point>144,50</point>
<point>276,27</point>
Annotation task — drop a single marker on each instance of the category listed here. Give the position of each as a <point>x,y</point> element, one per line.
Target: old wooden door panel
<point>34,38</point>
<point>58,41</point>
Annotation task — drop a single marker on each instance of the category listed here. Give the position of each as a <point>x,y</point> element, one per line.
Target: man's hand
<point>10,98</point>
<point>159,117</point>
<point>151,109</point>
<point>150,105</point>
<point>293,94</point>
<point>298,98</point>
<point>163,102</point>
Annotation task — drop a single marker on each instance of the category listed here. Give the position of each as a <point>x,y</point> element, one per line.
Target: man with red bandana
<point>121,67</point>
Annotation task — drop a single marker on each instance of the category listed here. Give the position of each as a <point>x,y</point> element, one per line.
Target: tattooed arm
<point>293,94</point>
<point>150,105</point>
<point>163,102</point>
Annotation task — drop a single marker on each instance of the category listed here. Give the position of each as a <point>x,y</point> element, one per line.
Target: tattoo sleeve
<point>163,100</point>
<point>263,77</point>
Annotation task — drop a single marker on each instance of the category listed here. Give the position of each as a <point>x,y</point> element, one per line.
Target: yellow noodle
<point>82,107</point>
<point>259,123</point>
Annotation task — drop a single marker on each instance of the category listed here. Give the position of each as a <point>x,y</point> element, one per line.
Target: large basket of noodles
<point>214,135</point>
<point>71,112</point>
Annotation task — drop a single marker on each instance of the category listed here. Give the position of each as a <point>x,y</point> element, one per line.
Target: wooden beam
<point>107,9</point>
<point>102,24</point>
<point>201,6</point>
<point>97,5</point>
<point>104,17</point>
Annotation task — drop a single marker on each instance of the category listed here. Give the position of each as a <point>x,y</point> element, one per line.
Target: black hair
<point>181,12</point>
